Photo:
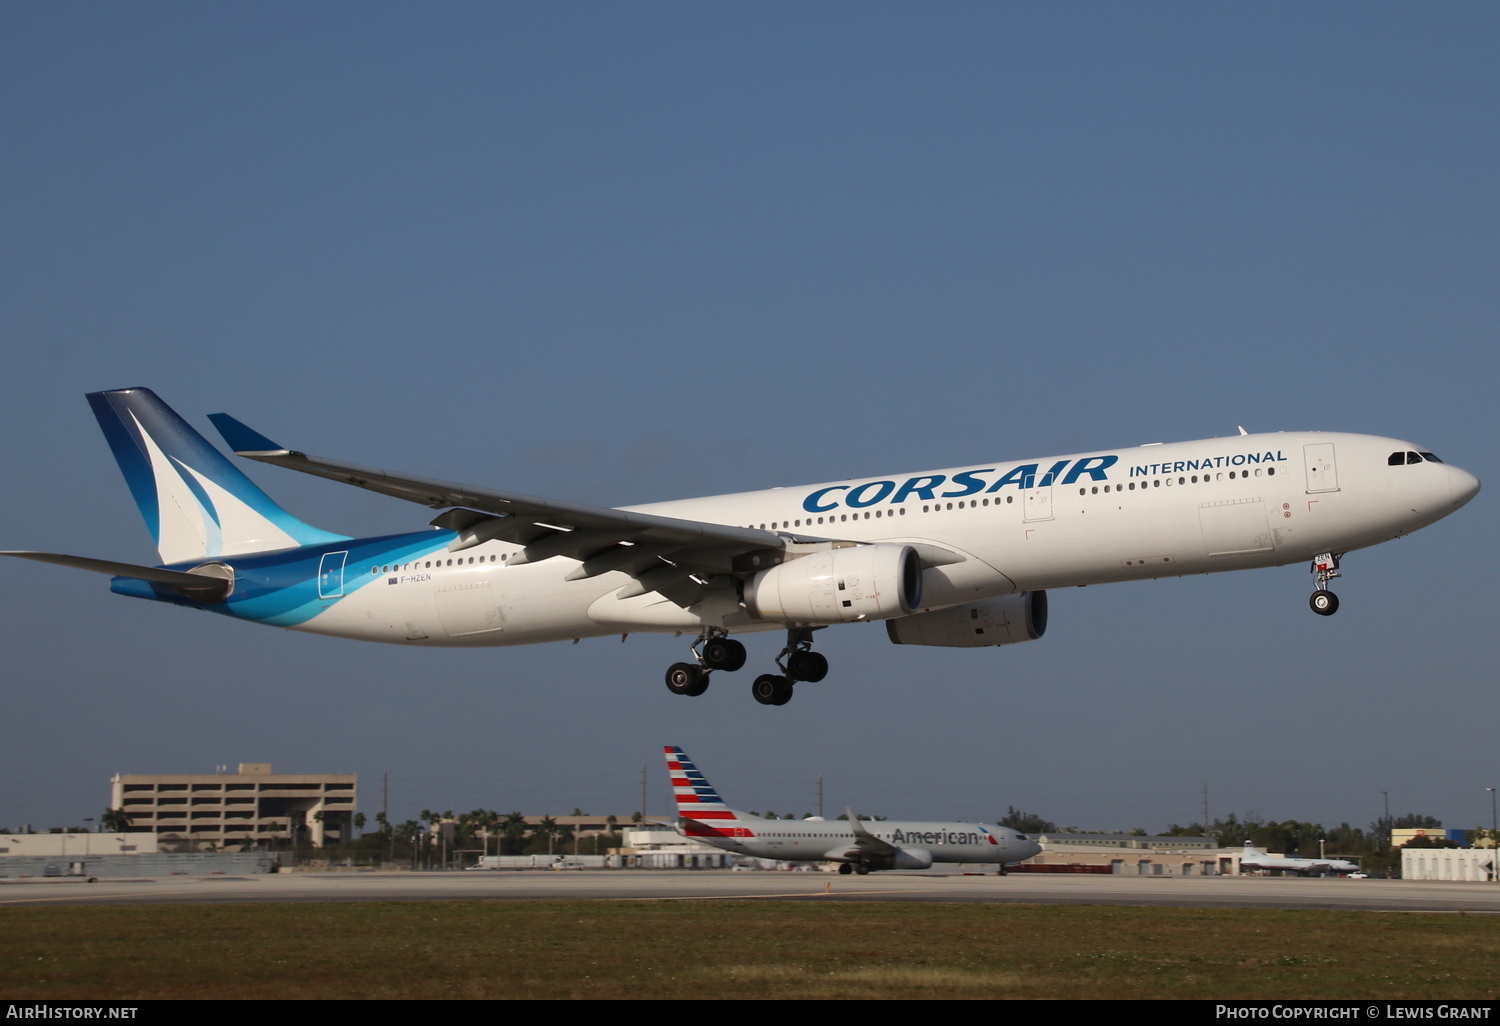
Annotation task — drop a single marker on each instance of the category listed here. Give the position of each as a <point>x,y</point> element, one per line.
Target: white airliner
<point>960,557</point>
<point>1254,858</point>
<point>857,846</point>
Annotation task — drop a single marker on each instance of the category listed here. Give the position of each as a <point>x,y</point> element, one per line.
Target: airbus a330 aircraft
<point>959,557</point>
<point>857,846</point>
<point>1254,858</point>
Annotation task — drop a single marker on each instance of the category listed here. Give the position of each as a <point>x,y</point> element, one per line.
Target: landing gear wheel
<point>769,689</point>
<point>1324,603</point>
<point>845,869</point>
<point>687,679</point>
<point>862,869</point>
<point>723,654</point>
<point>809,666</point>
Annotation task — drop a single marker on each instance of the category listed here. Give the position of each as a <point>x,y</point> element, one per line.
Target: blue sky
<point>618,253</point>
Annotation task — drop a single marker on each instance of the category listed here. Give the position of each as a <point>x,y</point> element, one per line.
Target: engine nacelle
<point>999,621</point>
<point>862,582</point>
<point>912,858</point>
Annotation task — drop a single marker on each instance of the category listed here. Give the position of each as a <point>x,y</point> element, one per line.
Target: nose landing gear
<point>1323,601</point>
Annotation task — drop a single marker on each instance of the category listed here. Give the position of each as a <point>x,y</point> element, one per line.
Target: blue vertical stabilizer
<point>196,503</point>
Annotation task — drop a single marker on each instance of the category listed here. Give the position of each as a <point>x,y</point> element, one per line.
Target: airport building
<point>1131,854</point>
<point>75,845</point>
<point>237,811</point>
<point>1474,864</point>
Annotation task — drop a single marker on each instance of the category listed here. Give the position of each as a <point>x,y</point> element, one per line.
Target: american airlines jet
<point>858,847</point>
<point>961,557</point>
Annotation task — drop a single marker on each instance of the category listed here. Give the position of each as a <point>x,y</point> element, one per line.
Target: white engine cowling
<point>1000,621</point>
<point>862,582</point>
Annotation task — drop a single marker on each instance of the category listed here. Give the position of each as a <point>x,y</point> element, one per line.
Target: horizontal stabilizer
<point>204,587</point>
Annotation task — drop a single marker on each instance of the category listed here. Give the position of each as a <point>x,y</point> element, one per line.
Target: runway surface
<point>1193,892</point>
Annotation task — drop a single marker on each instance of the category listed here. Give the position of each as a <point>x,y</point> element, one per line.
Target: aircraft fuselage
<point>1021,526</point>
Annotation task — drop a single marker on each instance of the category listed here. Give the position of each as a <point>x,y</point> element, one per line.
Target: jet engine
<point>861,582</point>
<point>912,858</point>
<point>999,621</point>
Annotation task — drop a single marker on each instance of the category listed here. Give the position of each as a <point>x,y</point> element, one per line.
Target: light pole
<point>1494,840</point>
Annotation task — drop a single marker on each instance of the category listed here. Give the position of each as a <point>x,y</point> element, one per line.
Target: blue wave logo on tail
<point>196,503</point>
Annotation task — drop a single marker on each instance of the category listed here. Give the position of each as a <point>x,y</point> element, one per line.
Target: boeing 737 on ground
<point>1254,858</point>
<point>857,846</point>
<point>961,557</point>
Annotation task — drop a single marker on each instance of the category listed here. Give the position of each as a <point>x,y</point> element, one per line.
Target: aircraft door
<point>1322,471</point>
<point>1038,499</point>
<point>331,575</point>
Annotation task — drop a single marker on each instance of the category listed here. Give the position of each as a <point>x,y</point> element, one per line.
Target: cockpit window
<point>1398,459</point>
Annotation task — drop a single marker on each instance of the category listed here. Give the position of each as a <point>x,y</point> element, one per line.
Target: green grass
<point>736,949</point>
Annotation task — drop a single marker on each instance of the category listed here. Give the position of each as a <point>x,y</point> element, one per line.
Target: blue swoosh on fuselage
<point>281,588</point>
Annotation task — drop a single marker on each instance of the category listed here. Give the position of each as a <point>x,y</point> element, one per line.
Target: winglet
<point>855,824</point>
<point>243,439</point>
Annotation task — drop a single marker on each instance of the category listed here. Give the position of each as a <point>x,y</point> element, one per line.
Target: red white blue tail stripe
<point>701,811</point>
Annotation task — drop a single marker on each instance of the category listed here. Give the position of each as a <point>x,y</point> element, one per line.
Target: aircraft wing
<point>865,842</point>
<point>662,553</point>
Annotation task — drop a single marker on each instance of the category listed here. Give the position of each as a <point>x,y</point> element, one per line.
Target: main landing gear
<point>718,652</point>
<point>1323,601</point>
<point>797,662</point>
<point>715,650</point>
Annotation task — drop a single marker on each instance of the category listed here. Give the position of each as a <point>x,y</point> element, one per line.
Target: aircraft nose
<point>1462,485</point>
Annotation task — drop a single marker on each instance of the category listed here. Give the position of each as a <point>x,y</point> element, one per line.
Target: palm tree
<point>514,841</point>
<point>548,828</point>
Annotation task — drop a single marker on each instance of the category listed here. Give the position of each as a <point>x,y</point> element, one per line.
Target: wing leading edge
<point>663,554</point>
